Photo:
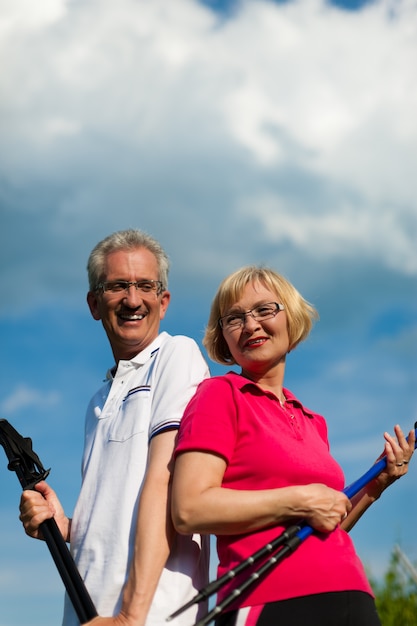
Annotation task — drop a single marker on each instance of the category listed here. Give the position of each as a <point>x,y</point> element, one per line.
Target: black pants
<point>346,608</point>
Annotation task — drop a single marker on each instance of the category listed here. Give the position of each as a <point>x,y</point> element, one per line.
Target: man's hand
<point>118,620</point>
<point>40,505</point>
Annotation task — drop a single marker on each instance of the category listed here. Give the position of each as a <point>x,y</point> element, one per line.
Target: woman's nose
<point>250,322</point>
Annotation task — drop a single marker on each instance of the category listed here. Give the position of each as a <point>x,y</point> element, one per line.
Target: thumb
<point>44,489</point>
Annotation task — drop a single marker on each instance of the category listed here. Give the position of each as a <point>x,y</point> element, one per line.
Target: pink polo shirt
<point>265,447</point>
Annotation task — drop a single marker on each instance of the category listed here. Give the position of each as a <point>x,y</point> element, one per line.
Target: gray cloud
<point>268,130</point>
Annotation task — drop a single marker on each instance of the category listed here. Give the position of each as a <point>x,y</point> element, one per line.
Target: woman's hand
<point>40,505</point>
<point>398,452</point>
<point>323,508</point>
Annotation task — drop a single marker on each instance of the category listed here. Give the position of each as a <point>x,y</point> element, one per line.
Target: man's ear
<point>92,302</point>
<point>165,299</point>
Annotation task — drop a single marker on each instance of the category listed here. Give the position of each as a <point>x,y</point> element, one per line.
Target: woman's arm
<point>201,504</point>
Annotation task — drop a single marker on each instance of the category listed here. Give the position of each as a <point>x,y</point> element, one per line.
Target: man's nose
<point>133,296</point>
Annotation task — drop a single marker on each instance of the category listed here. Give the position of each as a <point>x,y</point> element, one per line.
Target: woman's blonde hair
<point>300,313</point>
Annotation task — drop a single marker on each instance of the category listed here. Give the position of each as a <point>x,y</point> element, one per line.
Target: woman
<point>251,460</point>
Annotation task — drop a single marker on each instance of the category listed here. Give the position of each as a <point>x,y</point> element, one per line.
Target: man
<point>135,567</point>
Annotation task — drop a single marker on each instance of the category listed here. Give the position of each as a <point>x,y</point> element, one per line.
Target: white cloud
<point>289,126</point>
<point>348,229</point>
<point>23,397</point>
<point>23,16</point>
<point>289,123</point>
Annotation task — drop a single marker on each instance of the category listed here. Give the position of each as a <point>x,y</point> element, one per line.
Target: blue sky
<point>257,132</point>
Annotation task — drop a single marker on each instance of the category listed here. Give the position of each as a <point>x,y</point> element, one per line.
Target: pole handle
<point>29,470</point>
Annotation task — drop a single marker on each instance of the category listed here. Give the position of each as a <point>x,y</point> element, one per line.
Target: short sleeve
<point>178,369</point>
<point>210,419</point>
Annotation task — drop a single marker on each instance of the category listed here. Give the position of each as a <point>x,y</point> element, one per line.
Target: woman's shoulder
<point>229,379</point>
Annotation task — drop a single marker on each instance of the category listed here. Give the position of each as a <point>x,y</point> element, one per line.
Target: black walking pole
<point>283,539</point>
<point>25,462</point>
<point>285,543</point>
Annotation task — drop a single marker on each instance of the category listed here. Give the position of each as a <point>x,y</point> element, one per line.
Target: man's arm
<point>154,533</point>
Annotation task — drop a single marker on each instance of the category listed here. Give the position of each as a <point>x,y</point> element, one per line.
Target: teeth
<point>133,317</point>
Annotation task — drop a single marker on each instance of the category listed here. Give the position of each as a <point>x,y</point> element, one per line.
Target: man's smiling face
<point>131,318</point>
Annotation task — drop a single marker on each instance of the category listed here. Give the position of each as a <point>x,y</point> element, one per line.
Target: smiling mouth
<point>255,342</point>
<point>132,317</point>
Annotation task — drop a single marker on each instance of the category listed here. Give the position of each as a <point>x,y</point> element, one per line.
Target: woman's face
<point>257,346</point>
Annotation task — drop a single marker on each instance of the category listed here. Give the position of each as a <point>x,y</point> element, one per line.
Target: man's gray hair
<point>129,239</point>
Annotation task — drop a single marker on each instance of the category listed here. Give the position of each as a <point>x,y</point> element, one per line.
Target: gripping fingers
<point>34,510</point>
<point>330,508</point>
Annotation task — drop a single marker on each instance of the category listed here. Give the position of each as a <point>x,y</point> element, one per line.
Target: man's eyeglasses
<point>144,286</point>
<point>259,313</point>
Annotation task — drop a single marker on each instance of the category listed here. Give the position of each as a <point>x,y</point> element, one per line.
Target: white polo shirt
<point>146,396</point>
